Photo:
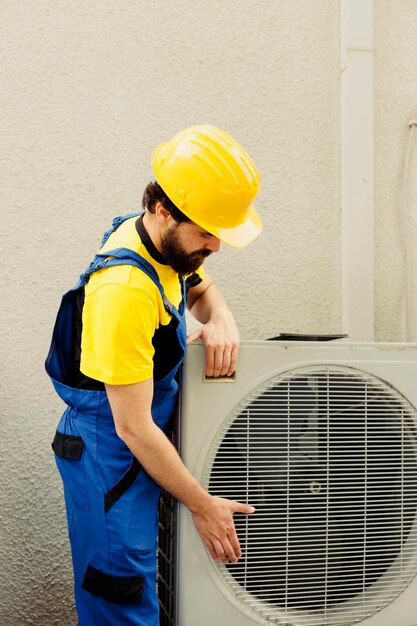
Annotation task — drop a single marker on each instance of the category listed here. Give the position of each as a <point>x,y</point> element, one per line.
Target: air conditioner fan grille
<point>328,457</point>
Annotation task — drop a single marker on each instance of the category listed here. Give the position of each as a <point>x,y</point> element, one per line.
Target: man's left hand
<point>221,340</point>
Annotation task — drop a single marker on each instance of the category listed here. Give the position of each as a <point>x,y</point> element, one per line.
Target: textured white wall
<point>395,105</point>
<point>87,91</point>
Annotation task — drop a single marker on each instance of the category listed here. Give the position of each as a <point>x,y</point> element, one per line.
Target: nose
<point>213,244</point>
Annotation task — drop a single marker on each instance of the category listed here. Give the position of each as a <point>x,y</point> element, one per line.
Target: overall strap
<point>125,256</point>
<point>116,223</point>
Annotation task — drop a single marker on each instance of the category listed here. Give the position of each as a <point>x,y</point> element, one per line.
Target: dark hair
<point>153,194</point>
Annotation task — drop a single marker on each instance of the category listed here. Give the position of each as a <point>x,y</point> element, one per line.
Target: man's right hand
<point>215,525</point>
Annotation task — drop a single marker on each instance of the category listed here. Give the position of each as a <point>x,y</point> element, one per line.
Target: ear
<point>163,216</point>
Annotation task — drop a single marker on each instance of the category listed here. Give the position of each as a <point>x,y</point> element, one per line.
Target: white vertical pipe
<point>357,169</point>
<point>410,223</point>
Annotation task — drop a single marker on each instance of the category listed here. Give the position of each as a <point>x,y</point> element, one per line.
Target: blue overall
<point>111,502</point>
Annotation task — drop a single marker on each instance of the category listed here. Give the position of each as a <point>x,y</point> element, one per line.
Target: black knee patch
<point>116,589</point>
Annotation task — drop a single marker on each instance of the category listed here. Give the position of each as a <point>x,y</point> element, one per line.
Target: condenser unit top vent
<point>328,456</point>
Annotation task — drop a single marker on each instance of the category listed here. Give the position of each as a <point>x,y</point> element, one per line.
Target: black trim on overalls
<point>115,589</point>
<point>68,446</point>
<point>116,492</point>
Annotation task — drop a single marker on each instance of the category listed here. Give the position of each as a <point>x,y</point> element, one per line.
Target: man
<point>118,343</point>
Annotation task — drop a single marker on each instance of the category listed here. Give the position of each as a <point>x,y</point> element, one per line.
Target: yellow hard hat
<point>212,180</point>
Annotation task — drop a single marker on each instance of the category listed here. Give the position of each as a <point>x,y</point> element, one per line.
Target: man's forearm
<point>213,517</point>
<point>207,302</point>
<point>131,407</point>
<point>161,461</point>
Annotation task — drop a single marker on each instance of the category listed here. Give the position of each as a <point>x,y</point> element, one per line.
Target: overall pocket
<point>69,457</point>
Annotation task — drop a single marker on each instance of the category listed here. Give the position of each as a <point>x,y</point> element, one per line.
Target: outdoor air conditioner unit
<point>322,439</point>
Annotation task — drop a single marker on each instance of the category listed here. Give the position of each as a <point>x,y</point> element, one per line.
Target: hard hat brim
<point>238,236</point>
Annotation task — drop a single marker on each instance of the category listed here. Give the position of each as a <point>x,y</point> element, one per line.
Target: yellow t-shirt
<point>127,334</point>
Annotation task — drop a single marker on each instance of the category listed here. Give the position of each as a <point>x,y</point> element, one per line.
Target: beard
<point>177,258</point>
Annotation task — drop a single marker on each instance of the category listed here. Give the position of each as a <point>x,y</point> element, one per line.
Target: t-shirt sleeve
<point>119,322</point>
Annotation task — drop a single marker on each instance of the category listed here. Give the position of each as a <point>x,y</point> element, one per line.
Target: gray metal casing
<point>203,598</point>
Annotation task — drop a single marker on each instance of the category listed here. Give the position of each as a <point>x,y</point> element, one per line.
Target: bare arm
<point>212,516</point>
<point>219,331</point>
